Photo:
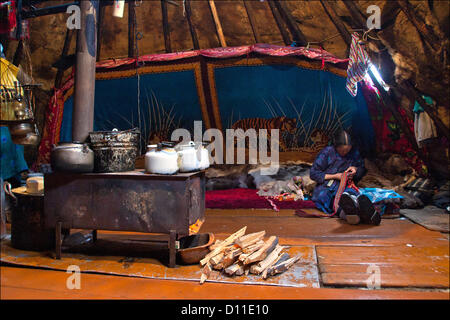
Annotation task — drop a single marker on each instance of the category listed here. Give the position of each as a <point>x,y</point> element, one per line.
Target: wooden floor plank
<point>19,283</point>
<point>398,266</point>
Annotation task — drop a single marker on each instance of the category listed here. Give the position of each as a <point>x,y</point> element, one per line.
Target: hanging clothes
<point>358,64</point>
<point>424,127</point>
<point>7,16</point>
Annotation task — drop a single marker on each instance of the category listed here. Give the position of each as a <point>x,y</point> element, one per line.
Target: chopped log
<point>215,245</point>
<point>205,273</point>
<point>257,268</point>
<point>236,268</point>
<point>228,241</point>
<point>250,239</point>
<point>240,271</point>
<point>283,266</point>
<point>253,247</point>
<point>250,250</point>
<point>281,258</point>
<point>217,259</point>
<point>231,257</point>
<point>218,266</point>
<point>262,253</point>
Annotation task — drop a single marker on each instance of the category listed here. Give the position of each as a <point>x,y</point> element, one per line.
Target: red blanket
<point>247,199</point>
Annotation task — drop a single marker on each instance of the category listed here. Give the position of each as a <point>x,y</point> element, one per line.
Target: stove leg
<point>58,240</point>
<point>172,250</point>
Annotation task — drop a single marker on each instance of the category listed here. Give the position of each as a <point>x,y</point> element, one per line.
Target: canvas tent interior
<point>252,71</point>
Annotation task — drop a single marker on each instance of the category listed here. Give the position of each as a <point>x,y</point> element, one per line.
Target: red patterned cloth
<point>53,120</point>
<point>7,16</point>
<point>230,52</point>
<point>248,199</point>
<point>390,138</point>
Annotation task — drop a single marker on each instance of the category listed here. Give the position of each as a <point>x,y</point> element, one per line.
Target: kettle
<point>161,158</point>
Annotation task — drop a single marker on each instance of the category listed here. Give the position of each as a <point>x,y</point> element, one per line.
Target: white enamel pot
<point>192,157</point>
<point>164,161</point>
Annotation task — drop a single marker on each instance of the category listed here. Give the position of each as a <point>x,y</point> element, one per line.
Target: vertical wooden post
<point>132,29</point>
<point>252,20</point>
<point>191,26</point>
<point>166,28</point>
<point>83,109</point>
<point>219,30</point>
<point>172,249</point>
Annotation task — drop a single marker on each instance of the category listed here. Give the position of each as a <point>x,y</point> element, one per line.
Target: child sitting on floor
<point>336,170</point>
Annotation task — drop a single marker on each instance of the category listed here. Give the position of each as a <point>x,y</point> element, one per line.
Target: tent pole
<point>191,26</point>
<point>291,24</point>
<point>215,15</point>
<point>251,19</point>
<point>166,28</point>
<point>279,21</point>
<point>83,109</point>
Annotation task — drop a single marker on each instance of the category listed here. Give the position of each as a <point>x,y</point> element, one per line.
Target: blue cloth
<point>418,108</point>
<point>330,162</point>
<point>377,194</point>
<point>11,156</point>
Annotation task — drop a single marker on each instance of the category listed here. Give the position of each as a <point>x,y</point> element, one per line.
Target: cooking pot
<point>193,156</point>
<point>72,157</point>
<point>115,151</point>
<point>159,160</point>
<point>20,129</point>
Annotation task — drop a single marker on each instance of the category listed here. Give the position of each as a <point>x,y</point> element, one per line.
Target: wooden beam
<point>280,23</point>
<point>65,50</point>
<point>252,20</point>
<point>390,12</point>
<point>166,28</point>
<point>292,25</point>
<point>132,52</point>
<point>219,30</point>
<point>187,6</point>
<point>422,27</point>
<point>360,19</point>
<point>329,7</point>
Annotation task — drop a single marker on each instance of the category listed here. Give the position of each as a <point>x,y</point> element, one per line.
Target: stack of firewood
<point>243,254</point>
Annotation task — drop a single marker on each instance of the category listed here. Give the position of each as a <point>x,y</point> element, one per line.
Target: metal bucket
<point>115,151</point>
<point>28,231</point>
